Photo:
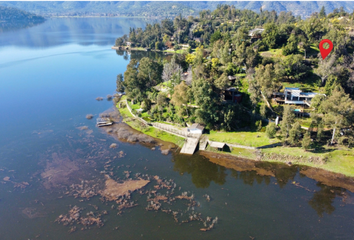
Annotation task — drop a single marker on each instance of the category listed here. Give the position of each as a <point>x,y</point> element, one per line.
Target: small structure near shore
<point>196,128</point>
<point>104,122</point>
<point>218,145</point>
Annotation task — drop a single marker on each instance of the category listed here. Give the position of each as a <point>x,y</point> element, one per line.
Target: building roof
<point>255,31</point>
<point>231,89</point>
<point>217,144</point>
<point>298,93</point>
<point>197,126</point>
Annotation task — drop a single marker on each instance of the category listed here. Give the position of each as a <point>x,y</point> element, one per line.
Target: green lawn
<point>244,153</point>
<point>273,53</point>
<point>252,139</point>
<point>148,130</point>
<point>339,161</point>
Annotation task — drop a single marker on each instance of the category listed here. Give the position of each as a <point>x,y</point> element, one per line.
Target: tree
<point>291,46</point>
<point>322,13</point>
<point>259,125</point>
<point>119,42</point>
<point>120,83</point>
<point>267,80</point>
<point>286,123</point>
<point>215,36</point>
<point>306,141</point>
<point>180,97</point>
<point>338,112</point>
<point>150,71</point>
<point>206,99</point>
<point>158,45</point>
<point>271,130</point>
<point>270,35</point>
<point>172,71</point>
<point>325,67</point>
<point>141,76</point>
<point>263,111</point>
<point>222,82</point>
<point>295,133</point>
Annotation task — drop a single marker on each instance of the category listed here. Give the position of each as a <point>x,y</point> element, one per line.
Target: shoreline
<point>311,170</point>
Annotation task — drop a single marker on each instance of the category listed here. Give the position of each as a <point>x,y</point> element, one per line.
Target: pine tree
<point>288,120</point>
<point>294,134</point>
<point>322,12</point>
<point>271,130</point>
<point>120,84</point>
<point>306,141</point>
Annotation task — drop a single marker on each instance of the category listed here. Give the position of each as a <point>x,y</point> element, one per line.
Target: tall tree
<point>338,112</point>
<point>322,13</point>
<point>180,96</point>
<point>286,123</point>
<point>120,84</point>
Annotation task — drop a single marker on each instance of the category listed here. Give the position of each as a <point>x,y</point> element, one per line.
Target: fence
<point>165,127</point>
<point>131,112</point>
<point>173,130</point>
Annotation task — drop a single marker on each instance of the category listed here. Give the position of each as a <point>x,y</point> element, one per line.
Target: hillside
<point>9,14</point>
<point>168,9</point>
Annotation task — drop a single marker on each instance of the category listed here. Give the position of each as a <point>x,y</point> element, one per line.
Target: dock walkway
<point>190,145</point>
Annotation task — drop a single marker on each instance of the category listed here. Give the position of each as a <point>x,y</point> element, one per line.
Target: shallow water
<point>50,76</point>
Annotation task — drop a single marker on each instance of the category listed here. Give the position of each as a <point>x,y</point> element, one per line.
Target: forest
<point>10,14</point>
<point>230,66</point>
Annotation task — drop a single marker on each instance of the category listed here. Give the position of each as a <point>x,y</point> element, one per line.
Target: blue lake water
<point>50,75</point>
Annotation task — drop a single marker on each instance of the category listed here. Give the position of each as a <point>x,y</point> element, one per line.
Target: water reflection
<point>249,177</point>
<point>322,200</point>
<point>12,26</point>
<point>203,171</point>
<point>127,55</point>
<point>61,31</point>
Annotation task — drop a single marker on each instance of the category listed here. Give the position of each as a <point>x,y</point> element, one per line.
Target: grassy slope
<point>339,161</point>
<point>253,139</point>
<point>151,131</point>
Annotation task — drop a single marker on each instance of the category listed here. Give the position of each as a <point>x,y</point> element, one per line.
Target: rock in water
<point>113,145</point>
<point>89,116</point>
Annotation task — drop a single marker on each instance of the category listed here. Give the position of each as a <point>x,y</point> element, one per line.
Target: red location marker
<point>325,52</point>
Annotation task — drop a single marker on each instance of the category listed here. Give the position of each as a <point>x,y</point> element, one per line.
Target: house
<point>196,128</point>
<point>256,33</point>
<point>129,44</point>
<point>199,40</point>
<point>219,146</point>
<point>231,94</point>
<point>295,96</point>
<point>232,79</point>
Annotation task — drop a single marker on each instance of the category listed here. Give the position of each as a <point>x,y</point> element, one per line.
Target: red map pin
<point>325,52</point>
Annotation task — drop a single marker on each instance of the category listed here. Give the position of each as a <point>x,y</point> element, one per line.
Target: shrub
<point>271,130</point>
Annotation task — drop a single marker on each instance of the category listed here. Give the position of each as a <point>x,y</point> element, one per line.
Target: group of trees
<point>194,83</point>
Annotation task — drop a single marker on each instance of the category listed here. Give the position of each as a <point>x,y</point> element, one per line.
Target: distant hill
<point>10,14</point>
<point>168,9</point>
<point>12,19</point>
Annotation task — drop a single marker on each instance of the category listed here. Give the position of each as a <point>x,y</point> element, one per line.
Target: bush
<point>306,141</point>
<point>146,105</point>
<point>271,130</point>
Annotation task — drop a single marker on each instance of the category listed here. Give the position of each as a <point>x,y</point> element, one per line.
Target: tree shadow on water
<point>203,171</point>
<point>322,200</point>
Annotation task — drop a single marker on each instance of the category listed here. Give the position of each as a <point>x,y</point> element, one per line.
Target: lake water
<point>50,75</point>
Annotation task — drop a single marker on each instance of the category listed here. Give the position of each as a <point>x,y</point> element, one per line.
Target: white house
<point>296,96</point>
<point>255,33</point>
<point>196,128</point>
